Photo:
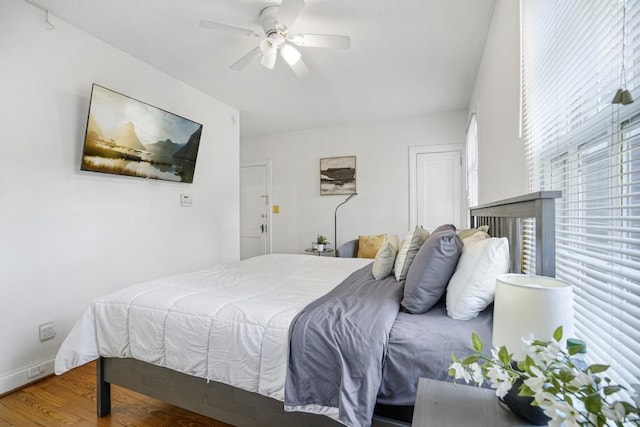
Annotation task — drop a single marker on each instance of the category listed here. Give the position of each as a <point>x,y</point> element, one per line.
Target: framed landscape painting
<point>125,136</point>
<point>338,175</point>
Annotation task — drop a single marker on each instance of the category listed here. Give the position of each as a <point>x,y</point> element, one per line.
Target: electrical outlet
<point>34,371</point>
<point>47,331</point>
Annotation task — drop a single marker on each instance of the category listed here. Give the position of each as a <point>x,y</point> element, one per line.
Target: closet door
<point>436,186</point>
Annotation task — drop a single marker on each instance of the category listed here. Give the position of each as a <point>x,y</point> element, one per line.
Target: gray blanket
<point>420,346</point>
<point>338,345</point>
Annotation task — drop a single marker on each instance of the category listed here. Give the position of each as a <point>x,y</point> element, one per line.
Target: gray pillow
<point>431,270</point>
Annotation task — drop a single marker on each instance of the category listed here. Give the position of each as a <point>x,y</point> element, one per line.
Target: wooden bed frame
<point>242,408</point>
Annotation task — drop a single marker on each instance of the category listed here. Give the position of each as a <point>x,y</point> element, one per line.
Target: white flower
<point>476,373</point>
<point>500,380</point>
<point>535,383</point>
<point>502,389</point>
<point>556,422</point>
<point>553,380</point>
<point>460,371</point>
<point>548,401</point>
<point>615,412</point>
<point>533,351</point>
<point>551,352</point>
<point>582,379</point>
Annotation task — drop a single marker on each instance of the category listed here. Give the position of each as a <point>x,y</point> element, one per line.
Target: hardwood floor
<point>70,400</point>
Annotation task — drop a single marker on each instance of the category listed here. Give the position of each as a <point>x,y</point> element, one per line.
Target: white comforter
<point>229,324</point>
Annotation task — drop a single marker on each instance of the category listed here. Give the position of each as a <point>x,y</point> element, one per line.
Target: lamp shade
<point>526,305</point>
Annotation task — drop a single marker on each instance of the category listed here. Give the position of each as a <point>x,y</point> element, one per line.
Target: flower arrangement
<point>568,395</point>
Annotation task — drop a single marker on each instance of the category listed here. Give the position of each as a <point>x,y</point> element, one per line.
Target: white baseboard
<point>21,377</point>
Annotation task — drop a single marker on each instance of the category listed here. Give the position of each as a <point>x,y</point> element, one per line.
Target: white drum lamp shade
<point>526,305</point>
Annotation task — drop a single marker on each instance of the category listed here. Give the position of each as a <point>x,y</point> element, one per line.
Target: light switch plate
<point>186,200</point>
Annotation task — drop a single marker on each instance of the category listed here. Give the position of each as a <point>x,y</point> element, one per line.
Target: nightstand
<point>319,253</point>
<point>441,404</point>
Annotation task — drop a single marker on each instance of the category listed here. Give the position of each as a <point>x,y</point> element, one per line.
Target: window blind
<point>579,143</point>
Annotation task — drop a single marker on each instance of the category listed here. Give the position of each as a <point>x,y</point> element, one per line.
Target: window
<point>580,143</point>
<point>472,161</point>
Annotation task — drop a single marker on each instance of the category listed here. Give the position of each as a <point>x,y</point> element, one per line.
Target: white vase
<point>320,247</point>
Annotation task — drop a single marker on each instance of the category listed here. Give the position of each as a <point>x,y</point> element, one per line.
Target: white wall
<point>496,101</point>
<point>67,236</point>
<point>382,176</point>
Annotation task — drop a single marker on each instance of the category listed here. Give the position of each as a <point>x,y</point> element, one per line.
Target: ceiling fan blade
<point>210,25</point>
<point>241,63</point>
<point>300,69</point>
<point>321,40</point>
<point>289,11</point>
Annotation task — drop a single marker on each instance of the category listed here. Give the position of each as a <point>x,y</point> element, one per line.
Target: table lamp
<point>526,305</point>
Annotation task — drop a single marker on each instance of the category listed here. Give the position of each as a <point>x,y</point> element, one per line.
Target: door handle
<point>262,228</point>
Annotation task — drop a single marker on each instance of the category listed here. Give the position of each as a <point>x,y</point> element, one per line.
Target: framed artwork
<point>125,136</point>
<point>337,175</point>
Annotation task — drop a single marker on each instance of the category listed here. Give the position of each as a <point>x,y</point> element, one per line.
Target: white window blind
<point>580,143</point>
<point>472,161</point>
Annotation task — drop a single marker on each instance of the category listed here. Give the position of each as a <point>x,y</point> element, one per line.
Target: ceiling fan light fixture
<point>266,46</point>
<point>269,59</point>
<point>290,54</point>
<point>275,21</point>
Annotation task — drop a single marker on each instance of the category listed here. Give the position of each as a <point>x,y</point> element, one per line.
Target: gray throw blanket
<point>338,346</point>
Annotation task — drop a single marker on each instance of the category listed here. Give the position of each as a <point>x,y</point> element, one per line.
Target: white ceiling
<point>407,57</point>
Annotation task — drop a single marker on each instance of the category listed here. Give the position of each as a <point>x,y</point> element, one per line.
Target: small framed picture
<point>337,175</point>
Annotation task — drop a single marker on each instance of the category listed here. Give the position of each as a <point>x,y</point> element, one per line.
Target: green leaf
<point>526,364</point>
<point>596,369</point>
<point>452,372</point>
<point>504,355</point>
<point>453,357</point>
<point>557,334</point>
<point>470,359</point>
<point>593,403</point>
<point>476,342</point>
<point>629,408</point>
<point>565,375</point>
<point>526,391</point>
<point>610,389</point>
<point>521,365</point>
<point>568,399</point>
<point>552,390</point>
<point>540,343</point>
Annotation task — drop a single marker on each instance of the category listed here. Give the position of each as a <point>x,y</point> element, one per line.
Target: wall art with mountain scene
<point>125,136</point>
<point>338,175</point>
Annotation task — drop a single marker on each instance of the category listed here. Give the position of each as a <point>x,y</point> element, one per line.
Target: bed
<point>202,384</point>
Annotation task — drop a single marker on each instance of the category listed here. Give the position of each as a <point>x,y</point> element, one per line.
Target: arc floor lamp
<point>335,222</point>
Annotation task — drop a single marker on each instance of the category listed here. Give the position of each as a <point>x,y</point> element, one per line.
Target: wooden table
<point>441,404</point>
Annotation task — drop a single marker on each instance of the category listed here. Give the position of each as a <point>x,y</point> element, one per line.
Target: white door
<point>436,192</point>
<point>255,226</point>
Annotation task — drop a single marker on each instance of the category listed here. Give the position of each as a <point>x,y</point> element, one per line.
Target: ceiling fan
<point>275,21</point>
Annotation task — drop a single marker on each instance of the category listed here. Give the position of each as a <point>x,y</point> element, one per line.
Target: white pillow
<point>385,258</point>
<point>473,285</point>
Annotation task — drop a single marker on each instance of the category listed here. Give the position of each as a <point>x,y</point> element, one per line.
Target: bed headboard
<point>528,222</point>
<point>531,216</point>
